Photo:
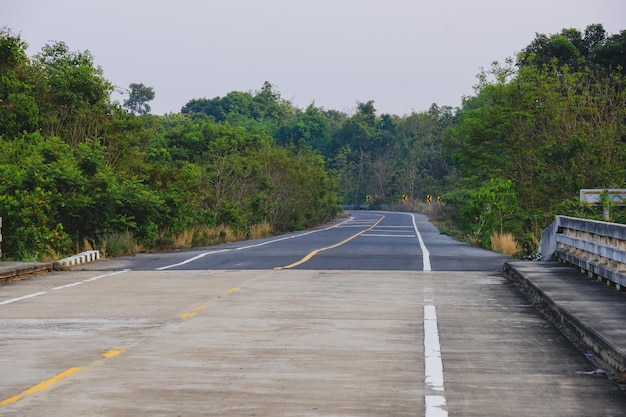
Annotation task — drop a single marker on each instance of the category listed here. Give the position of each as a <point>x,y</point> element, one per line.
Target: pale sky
<point>402,54</point>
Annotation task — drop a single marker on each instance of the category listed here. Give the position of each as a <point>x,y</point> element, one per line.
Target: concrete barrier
<point>597,248</point>
<point>80,258</point>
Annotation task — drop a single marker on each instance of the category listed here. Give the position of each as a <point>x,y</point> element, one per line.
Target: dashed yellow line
<point>316,251</point>
<point>113,352</point>
<point>232,290</point>
<point>44,385</point>
<point>192,313</point>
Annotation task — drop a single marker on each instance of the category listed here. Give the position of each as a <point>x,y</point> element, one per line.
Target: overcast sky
<point>403,54</point>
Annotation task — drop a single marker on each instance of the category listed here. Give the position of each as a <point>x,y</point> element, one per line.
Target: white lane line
<point>68,285</point>
<point>412,235</point>
<point>275,240</point>
<point>91,279</point>
<point>106,275</point>
<point>433,365</point>
<point>434,404</point>
<point>202,255</point>
<point>73,284</point>
<point>394,227</point>
<point>425,253</point>
<point>13,300</point>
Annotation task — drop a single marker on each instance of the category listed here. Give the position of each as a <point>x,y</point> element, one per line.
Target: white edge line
<point>389,235</point>
<point>202,255</point>
<point>252,246</point>
<point>433,365</point>
<point>425,253</point>
<point>13,300</point>
<point>106,275</point>
<point>275,240</point>
<point>433,406</point>
<point>295,236</point>
<point>68,285</point>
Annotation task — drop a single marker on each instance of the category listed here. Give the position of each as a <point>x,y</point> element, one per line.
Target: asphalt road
<point>366,240</point>
<point>375,315</point>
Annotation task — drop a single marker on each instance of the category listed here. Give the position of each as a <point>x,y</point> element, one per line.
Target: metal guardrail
<point>597,248</point>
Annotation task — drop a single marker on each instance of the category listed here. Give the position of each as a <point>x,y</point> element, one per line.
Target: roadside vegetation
<point>79,170</point>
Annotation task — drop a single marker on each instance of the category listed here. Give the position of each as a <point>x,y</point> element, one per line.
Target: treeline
<point>79,170</point>
<point>541,127</point>
<point>76,167</point>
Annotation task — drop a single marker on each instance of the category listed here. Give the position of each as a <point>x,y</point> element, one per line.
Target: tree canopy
<point>77,167</point>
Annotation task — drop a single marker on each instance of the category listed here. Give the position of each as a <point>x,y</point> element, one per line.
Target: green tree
<point>611,54</point>
<point>73,96</point>
<point>311,127</point>
<point>18,108</point>
<point>138,97</point>
<point>550,128</point>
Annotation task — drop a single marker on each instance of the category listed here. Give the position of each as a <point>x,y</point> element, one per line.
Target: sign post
<point>593,197</point>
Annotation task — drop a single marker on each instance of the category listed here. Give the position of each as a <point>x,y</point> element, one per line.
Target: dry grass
<point>473,239</point>
<point>223,234</point>
<point>204,236</point>
<point>504,243</point>
<point>260,230</point>
<point>87,246</point>
<point>183,240</point>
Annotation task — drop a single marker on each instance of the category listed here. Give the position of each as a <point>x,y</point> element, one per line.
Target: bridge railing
<point>597,248</point>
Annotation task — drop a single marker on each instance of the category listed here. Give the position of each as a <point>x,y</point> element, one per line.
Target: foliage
<point>119,244</point>
<point>75,166</point>
<point>138,97</point>
<point>504,243</point>
<point>550,125</point>
<point>18,107</point>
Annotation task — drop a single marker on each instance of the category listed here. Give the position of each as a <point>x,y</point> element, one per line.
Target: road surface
<point>375,315</point>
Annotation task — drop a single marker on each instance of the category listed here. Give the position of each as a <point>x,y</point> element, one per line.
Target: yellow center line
<point>192,313</point>
<point>42,385</point>
<point>316,251</point>
<point>46,384</point>
<point>113,352</point>
<point>232,290</point>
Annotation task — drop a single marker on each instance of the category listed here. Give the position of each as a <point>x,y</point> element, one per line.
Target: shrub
<point>504,243</point>
<point>260,230</point>
<point>118,244</point>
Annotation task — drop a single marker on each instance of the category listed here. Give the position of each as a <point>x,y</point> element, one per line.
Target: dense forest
<point>79,170</point>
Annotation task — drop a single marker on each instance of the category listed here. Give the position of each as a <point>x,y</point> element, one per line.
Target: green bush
<point>118,244</point>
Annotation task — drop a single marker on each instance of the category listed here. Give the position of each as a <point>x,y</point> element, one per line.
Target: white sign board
<point>592,196</point>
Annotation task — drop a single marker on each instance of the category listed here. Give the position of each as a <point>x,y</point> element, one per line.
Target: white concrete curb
<point>81,258</point>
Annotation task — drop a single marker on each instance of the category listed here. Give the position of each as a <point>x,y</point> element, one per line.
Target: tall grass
<point>118,244</point>
<point>205,236</point>
<point>504,243</point>
<point>260,230</point>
